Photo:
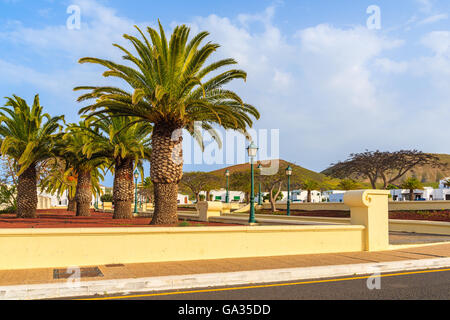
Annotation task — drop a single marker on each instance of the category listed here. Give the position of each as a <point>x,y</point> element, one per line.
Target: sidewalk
<point>43,283</point>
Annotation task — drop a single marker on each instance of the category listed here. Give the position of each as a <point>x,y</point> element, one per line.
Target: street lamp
<point>96,201</point>
<point>259,191</point>
<point>252,150</point>
<point>227,195</point>
<point>136,176</point>
<point>288,205</point>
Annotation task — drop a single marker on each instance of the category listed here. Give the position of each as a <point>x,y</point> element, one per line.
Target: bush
<point>10,209</point>
<point>107,197</point>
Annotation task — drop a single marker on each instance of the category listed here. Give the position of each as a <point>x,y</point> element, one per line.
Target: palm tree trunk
<point>72,205</point>
<point>166,170</point>
<point>308,199</point>
<point>411,195</point>
<point>83,194</point>
<point>27,198</point>
<point>123,189</point>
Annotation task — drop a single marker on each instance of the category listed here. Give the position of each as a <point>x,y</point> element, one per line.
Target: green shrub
<point>107,197</point>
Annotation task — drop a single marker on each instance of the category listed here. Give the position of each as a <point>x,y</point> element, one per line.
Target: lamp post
<point>288,205</point>
<point>136,176</point>
<point>227,195</point>
<point>96,201</point>
<point>259,190</point>
<point>252,150</point>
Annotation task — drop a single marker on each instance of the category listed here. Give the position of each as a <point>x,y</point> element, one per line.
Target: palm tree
<point>72,148</point>
<point>447,183</point>
<point>28,136</point>
<point>412,184</point>
<point>126,143</point>
<point>348,184</point>
<point>63,179</point>
<point>309,185</point>
<point>172,89</point>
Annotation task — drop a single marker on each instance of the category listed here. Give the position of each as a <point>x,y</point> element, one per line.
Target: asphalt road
<point>427,284</point>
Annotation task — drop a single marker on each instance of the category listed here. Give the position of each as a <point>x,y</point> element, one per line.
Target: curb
<point>126,286</point>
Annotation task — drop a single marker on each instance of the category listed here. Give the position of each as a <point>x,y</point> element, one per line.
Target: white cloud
<point>434,18</point>
<point>321,86</point>
<point>390,66</point>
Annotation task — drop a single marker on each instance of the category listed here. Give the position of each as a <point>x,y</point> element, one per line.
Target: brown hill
<point>303,172</point>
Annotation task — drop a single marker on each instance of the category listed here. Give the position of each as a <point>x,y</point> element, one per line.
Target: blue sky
<point>315,71</point>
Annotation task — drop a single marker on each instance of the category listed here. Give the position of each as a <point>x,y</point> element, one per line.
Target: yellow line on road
<point>262,286</point>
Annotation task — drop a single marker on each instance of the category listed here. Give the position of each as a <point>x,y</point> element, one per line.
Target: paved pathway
<point>144,270</point>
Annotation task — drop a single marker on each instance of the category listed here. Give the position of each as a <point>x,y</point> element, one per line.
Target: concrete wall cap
<point>362,198</point>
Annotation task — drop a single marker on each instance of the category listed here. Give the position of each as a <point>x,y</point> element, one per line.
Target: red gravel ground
<point>441,215</point>
<point>57,218</point>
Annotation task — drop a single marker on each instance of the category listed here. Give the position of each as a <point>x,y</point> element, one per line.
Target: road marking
<point>263,286</point>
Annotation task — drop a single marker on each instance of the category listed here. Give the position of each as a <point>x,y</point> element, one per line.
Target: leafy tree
<point>392,187</point>
<point>241,181</point>
<point>195,182</point>
<point>8,198</point>
<point>173,88</point>
<point>126,144</point>
<point>387,166</point>
<point>412,184</point>
<point>27,136</point>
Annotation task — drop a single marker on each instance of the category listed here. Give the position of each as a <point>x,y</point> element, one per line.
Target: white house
<point>220,195</point>
<point>63,200</point>
<point>334,195</point>
<point>302,196</point>
<point>183,199</point>
<point>427,194</point>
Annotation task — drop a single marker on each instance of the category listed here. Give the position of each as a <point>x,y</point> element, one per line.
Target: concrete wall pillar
<point>207,209</point>
<point>370,209</point>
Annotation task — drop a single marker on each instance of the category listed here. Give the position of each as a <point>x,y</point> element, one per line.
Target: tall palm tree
<point>126,143</point>
<point>173,88</point>
<point>28,136</point>
<point>71,148</point>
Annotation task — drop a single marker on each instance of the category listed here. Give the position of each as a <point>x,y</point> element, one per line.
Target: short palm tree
<point>309,186</point>
<point>126,143</point>
<point>62,179</point>
<point>71,149</point>
<point>28,136</point>
<point>172,88</point>
<point>412,184</point>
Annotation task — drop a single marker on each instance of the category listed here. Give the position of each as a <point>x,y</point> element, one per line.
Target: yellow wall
<point>393,206</point>
<point>44,248</point>
<point>335,206</point>
<point>419,205</point>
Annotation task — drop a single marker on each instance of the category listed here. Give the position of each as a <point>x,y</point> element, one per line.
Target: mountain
<point>426,174</point>
<point>303,172</point>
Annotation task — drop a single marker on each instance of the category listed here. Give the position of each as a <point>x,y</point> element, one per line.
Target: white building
<point>220,195</point>
<point>302,196</point>
<point>427,194</point>
<point>334,195</point>
<point>183,199</point>
<point>63,200</point>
